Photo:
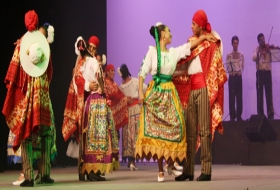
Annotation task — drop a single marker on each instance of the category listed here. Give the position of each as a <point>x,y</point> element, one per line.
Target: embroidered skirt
<point>130,131</point>
<point>100,142</point>
<point>162,130</point>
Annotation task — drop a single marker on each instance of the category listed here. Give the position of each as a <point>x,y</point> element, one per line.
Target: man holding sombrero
<point>27,107</point>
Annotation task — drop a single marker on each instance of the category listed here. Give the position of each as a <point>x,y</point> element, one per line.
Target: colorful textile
<point>162,129</point>
<point>100,142</point>
<point>15,156</point>
<point>27,104</point>
<point>118,103</point>
<point>215,75</point>
<point>74,104</point>
<point>180,82</point>
<point>130,131</point>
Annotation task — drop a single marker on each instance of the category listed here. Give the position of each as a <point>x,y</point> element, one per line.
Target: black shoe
<point>82,177</point>
<point>27,183</point>
<point>47,179</point>
<point>93,176</point>
<point>183,177</point>
<point>204,177</point>
<point>240,119</point>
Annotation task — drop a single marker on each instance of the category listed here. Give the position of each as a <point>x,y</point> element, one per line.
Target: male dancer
<point>27,107</point>
<point>205,99</point>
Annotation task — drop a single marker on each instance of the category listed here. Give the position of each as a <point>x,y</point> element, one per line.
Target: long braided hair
<point>155,31</point>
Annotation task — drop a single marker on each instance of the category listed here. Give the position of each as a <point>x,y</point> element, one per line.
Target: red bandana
<point>200,18</point>
<point>31,20</point>
<point>109,67</point>
<point>94,40</point>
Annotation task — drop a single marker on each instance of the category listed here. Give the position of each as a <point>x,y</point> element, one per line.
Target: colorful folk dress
<point>118,103</point>
<point>129,131</point>
<point>27,106</point>
<point>162,130</point>
<point>100,151</point>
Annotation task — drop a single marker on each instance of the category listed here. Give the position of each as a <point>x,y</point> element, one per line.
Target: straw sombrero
<point>34,53</point>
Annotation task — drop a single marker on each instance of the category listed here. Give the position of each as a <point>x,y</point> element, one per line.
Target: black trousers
<point>264,82</point>
<point>235,96</point>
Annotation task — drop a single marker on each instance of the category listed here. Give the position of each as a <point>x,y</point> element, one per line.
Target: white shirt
<point>195,66</point>
<point>264,57</point>
<point>235,62</point>
<point>90,71</point>
<point>169,60</point>
<point>130,89</point>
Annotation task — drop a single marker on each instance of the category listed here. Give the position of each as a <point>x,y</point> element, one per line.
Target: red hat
<point>31,20</point>
<point>200,18</point>
<point>109,67</point>
<point>94,40</point>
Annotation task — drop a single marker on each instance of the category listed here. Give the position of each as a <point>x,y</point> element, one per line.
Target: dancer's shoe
<point>160,179</point>
<point>133,167</point>
<point>18,182</point>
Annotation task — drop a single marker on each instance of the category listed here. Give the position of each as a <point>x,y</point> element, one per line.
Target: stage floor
<point>224,177</point>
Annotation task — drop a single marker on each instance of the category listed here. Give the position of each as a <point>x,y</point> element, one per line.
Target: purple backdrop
<point>128,38</point>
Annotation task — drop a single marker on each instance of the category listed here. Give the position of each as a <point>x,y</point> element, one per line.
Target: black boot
<point>204,177</point>
<point>183,177</point>
<point>97,177</point>
<point>82,177</point>
<point>27,183</point>
<point>47,179</point>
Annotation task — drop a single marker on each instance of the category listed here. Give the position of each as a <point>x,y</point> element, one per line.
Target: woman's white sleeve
<point>146,66</point>
<point>183,51</point>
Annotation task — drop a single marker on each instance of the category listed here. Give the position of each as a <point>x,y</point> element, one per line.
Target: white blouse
<point>90,71</point>
<point>169,60</point>
<point>130,89</point>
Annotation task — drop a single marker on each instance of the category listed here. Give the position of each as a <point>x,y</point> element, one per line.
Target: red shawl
<point>118,103</point>
<point>215,75</point>
<point>73,111</point>
<point>27,104</point>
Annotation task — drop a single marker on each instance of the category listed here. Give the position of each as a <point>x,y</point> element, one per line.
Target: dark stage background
<point>70,20</point>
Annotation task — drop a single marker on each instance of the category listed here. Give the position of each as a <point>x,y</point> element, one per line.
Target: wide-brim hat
<point>39,66</point>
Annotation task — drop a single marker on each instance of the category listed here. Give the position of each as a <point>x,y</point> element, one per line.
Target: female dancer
<point>73,112</point>
<point>118,102</point>
<point>130,88</point>
<point>99,138</point>
<point>162,131</point>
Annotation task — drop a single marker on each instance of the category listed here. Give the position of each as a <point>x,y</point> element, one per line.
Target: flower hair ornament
<point>119,71</point>
<point>158,24</point>
<point>50,31</point>
<point>50,34</point>
<point>77,51</point>
<point>104,59</point>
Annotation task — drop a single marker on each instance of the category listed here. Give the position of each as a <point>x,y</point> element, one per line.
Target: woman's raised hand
<point>210,37</point>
